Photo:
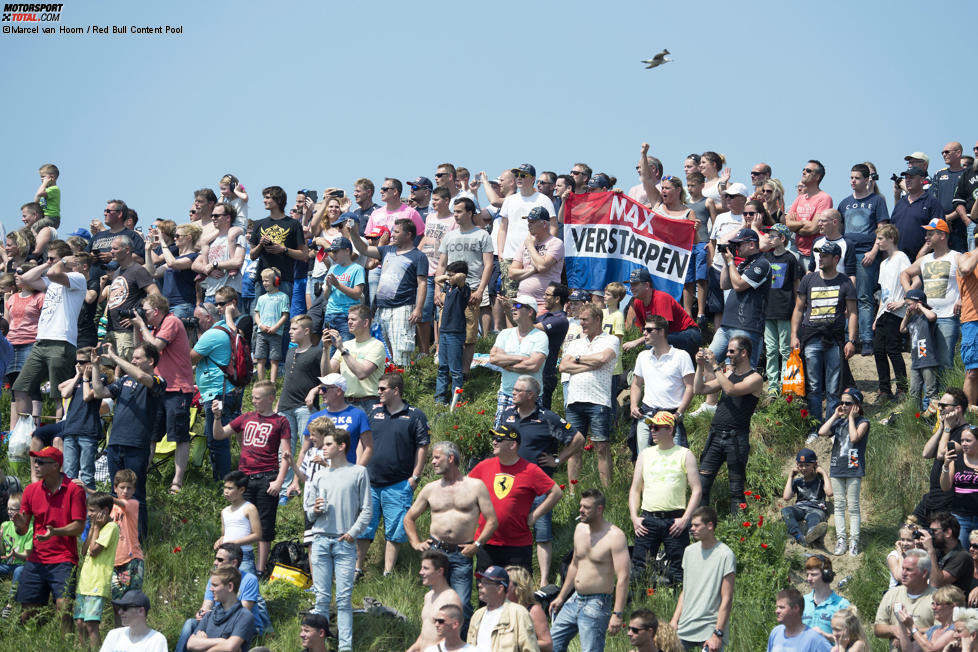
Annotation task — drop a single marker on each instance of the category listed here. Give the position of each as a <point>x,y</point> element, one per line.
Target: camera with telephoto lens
<point>723,248</point>
<point>129,313</point>
<point>545,595</point>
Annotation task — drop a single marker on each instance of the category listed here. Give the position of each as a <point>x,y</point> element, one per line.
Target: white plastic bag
<point>20,439</point>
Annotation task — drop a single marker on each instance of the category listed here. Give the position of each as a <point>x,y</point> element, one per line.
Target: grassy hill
<point>183,528</point>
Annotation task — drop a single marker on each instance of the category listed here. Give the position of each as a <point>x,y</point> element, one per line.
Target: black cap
<point>600,181</point>
<point>806,455</point>
<point>421,182</point>
<point>508,432</point>
<point>917,295</point>
<point>914,172</point>
<point>538,213</point>
<point>525,168</point>
<point>340,243</point>
<point>495,574</point>
<point>132,598</point>
<point>745,235</point>
<point>829,249</point>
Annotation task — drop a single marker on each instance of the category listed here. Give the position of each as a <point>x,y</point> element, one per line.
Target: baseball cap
<point>579,295</point>
<point>600,181</point>
<point>663,418</point>
<point>495,574</point>
<point>911,295</point>
<point>51,453</point>
<point>744,235</point>
<point>855,394</point>
<point>829,249</point>
<point>736,189</point>
<point>333,380</point>
<point>421,182</point>
<point>506,432</point>
<point>526,300</point>
<point>937,224</point>
<point>132,598</point>
<point>640,275</point>
<point>806,455</point>
<point>378,231</point>
<point>781,230</point>
<point>917,155</point>
<point>340,243</point>
<point>914,172</point>
<point>538,213</point>
<point>81,233</point>
<point>525,168</point>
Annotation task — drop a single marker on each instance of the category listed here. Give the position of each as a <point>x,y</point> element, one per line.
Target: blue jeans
<point>298,418</point>
<point>136,459</point>
<point>183,310</point>
<point>793,517</point>
<point>948,331</point>
<point>14,570</point>
<point>428,311</point>
<point>220,450</point>
<point>331,556</point>
<point>968,523</point>
<point>450,347</point>
<point>79,456</point>
<point>866,279</point>
<point>585,614</point>
<point>722,338</point>
<point>460,579</point>
<point>822,376</point>
<point>248,561</point>
<point>338,321</point>
<point>189,627</point>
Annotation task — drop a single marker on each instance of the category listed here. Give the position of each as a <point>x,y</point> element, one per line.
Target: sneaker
<point>358,574</point>
<point>890,419</point>
<point>867,348</point>
<point>840,547</point>
<point>853,548</point>
<point>702,321</point>
<point>812,438</point>
<point>6,612</point>
<point>813,535</point>
<point>705,408</point>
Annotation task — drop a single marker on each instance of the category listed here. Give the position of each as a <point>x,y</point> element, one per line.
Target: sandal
<point>175,488</point>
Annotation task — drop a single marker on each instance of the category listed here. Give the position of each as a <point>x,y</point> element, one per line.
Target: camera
<point>917,534</point>
<point>129,313</point>
<point>723,248</point>
<point>895,178</point>
<point>311,194</point>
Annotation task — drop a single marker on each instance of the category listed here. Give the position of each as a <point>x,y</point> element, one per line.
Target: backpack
<point>289,553</point>
<point>239,368</point>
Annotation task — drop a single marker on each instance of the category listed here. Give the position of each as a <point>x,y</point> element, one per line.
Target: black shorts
<point>47,433</point>
<point>267,506</point>
<point>38,582</point>
<point>173,417</point>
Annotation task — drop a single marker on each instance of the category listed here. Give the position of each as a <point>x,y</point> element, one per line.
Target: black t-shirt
<point>938,463</point>
<point>128,289</point>
<point>285,231</point>
<point>555,325</point>
<point>743,309</point>
<point>825,304</point>
<point>82,417</point>
<point>102,242</point>
<point>785,271</point>
<point>135,411</point>
<point>301,375</point>
<point>734,412</point>
<point>453,310</point>
<point>958,563</point>
<point>87,328</point>
<point>540,432</point>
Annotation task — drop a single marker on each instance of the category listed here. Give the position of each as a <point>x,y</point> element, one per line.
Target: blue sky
<point>307,94</point>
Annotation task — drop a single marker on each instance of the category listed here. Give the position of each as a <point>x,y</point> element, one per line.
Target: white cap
<point>736,189</point>
<point>334,380</point>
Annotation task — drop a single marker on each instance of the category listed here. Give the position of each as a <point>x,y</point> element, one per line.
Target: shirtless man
<point>600,564</point>
<point>456,501</point>
<point>434,565</point>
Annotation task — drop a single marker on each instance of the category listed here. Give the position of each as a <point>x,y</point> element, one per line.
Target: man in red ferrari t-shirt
<point>683,332</point>
<point>59,510</point>
<point>266,454</point>
<point>513,484</point>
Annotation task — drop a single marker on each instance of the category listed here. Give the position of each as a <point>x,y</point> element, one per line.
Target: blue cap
<point>579,295</point>
<point>640,275</point>
<point>806,455</point>
<point>495,574</point>
<point>744,235</point>
<point>340,243</point>
<point>421,182</point>
<point>525,168</point>
<point>917,295</point>
<point>81,233</point>
<point>600,181</point>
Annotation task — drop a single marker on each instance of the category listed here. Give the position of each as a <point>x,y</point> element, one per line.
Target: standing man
<point>363,204</point>
<point>513,229</point>
<point>360,361</point>
<point>421,195</point>
<point>101,244</point>
<point>968,289</point>
<point>473,246</point>
<point>791,633</point>
<point>401,437</point>
<point>131,284</point>
<point>943,184</point>
<point>513,484</point>
<point>540,260</point>
<point>912,597</point>
<point>590,361</point>
<point>221,259</point>
<point>862,212</point>
<point>457,504</point>
<point>343,415</point>
<point>821,328</point>
<point>709,570</point>
<point>58,507</point>
<point>402,287</point>
<point>806,207</point>
<point>912,211</point>
<point>729,439</point>
<point>966,193</point>
<point>519,350</point>
<point>585,603</point>
<point>554,324</point>
<point>301,375</point>
<point>663,472</point>
<point>540,433</point>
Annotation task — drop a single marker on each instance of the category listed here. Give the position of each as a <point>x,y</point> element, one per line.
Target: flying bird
<point>657,60</point>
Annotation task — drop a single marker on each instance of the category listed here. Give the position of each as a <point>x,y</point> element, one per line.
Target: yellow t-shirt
<point>371,350</point>
<point>95,577</point>
<point>614,324</point>
<point>664,476</point>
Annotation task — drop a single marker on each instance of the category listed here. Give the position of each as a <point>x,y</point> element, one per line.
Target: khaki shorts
<point>510,288</point>
<point>472,324</point>
<point>52,360</point>
<point>122,342</point>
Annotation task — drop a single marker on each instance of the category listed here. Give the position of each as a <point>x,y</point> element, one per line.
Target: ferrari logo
<point>502,485</point>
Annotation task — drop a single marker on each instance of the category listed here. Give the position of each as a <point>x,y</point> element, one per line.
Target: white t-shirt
<point>663,376</point>
<point>217,252</point>
<point>440,647</point>
<point>592,386</point>
<point>725,227</point>
<point>489,621</point>
<point>59,316</point>
<point>940,277</point>
<point>120,640</point>
<point>515,208</point>
<point>890,287</point>
<point>242,207</point>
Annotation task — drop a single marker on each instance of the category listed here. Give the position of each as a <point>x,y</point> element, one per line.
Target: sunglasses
<point>520,175</point>
<point>498,439</point>
<point>946,405</point>
<point>220,304</point>
<point>757,174</point>
<point>768,191</point>
<point>580,172</point>
<point>636,630</point>
<point>440,174</point>
<point>808,171</point>
<point>846,403</point>
<point>751,213</point>
<point>520,305</point>
<point>671,178</point>
<point>439,621</point>
<point>973,546</point>
<point>415,188</point>
<point>39,461</point>
<point>650,329</point>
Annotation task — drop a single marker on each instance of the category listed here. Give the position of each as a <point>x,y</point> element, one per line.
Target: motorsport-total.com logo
<point>32,13</point>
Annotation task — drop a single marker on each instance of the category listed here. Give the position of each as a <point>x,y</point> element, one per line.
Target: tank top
<point>965,499</point>
<point>236,524</point>
<point>713,191</point>
<point>702,213</point>
<point>734,412</point>
<point>664,476</point>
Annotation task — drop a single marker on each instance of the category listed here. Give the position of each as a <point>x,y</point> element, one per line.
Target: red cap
<point>378,232</point>
<point>50,452</point>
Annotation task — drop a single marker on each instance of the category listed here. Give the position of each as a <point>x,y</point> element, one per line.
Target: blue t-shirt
<point>923,352</point>
<point>351,419</point>
<point>453,310</point>
<point>860,219</point>
<point>215,346</point>
<point>236,621</point>
<point>179,285</point>
<point>135,411</point>
<point>399,276</point>
<point>820,616</point>
<point>82,417</point>
<point>808,641</point>
<point>249,593</point>
<point>351,276</point>
<point>270,307</point>
<point>6,354</point>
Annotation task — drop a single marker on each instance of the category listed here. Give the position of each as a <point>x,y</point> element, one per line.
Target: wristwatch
<point>556,461</point>
<point>415,478</point>
<point>718,633</point>
<point>620,614</point>
<point>344,352</point>
<point>577,359</point>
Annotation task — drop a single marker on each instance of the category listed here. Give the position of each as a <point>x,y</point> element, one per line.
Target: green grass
<point>897,476</point>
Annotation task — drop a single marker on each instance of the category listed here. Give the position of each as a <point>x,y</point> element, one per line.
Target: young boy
<point>809,484</point>
<point>48,195</point>
<point>344,286</point>
<point>924,365</point>
<point>266,457</point>
<point>312,463</point>
<point>233,193</point>
<point>14,549</point>
<point>613,323</point>
<point>82,422</point>
<point>887,340</point>
<point>129,565</point>
<point>451,335</point>
<point>437,224</point>
<point>240,523</point>
<point>271,312</point>
<point>95,577</point>
<point>786,273</point>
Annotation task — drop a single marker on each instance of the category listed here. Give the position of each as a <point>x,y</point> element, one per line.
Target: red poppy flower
<point>178,549</point>
<point>789,398</point>
<point>481,412</point>
<point>458,391</point>
<point>562,487</point>
<point>746,523</point>
<point>741,538</point>
<point>183,520</point>
<point>777,423</point>
<point>742,505</point>
<point>454,427</point>
<point>650,591</point>
<point>588,447</point>
<point>804,413</point>
<point>573,481</point>
<point>916,416</point>
<point>760,521</point>
<point>748,492</point>
<point>764,545</point>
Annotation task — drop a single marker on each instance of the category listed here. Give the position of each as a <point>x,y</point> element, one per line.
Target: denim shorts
<point>969,344</point>
<point>21,351</point>
<point>590,419</point>
<point>393,503</point>
<point>543,529</point>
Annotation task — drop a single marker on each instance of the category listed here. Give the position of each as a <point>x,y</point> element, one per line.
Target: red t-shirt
<point>664,305</point>
<point>174,364</point>
<point>260,442</point>
<point>512,490</point>
<point>56,509</point>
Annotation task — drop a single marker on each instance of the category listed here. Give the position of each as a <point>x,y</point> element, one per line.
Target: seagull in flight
<point>657,60</point>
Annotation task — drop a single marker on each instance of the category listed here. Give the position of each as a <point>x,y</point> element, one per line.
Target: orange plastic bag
<point>794,375</point>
